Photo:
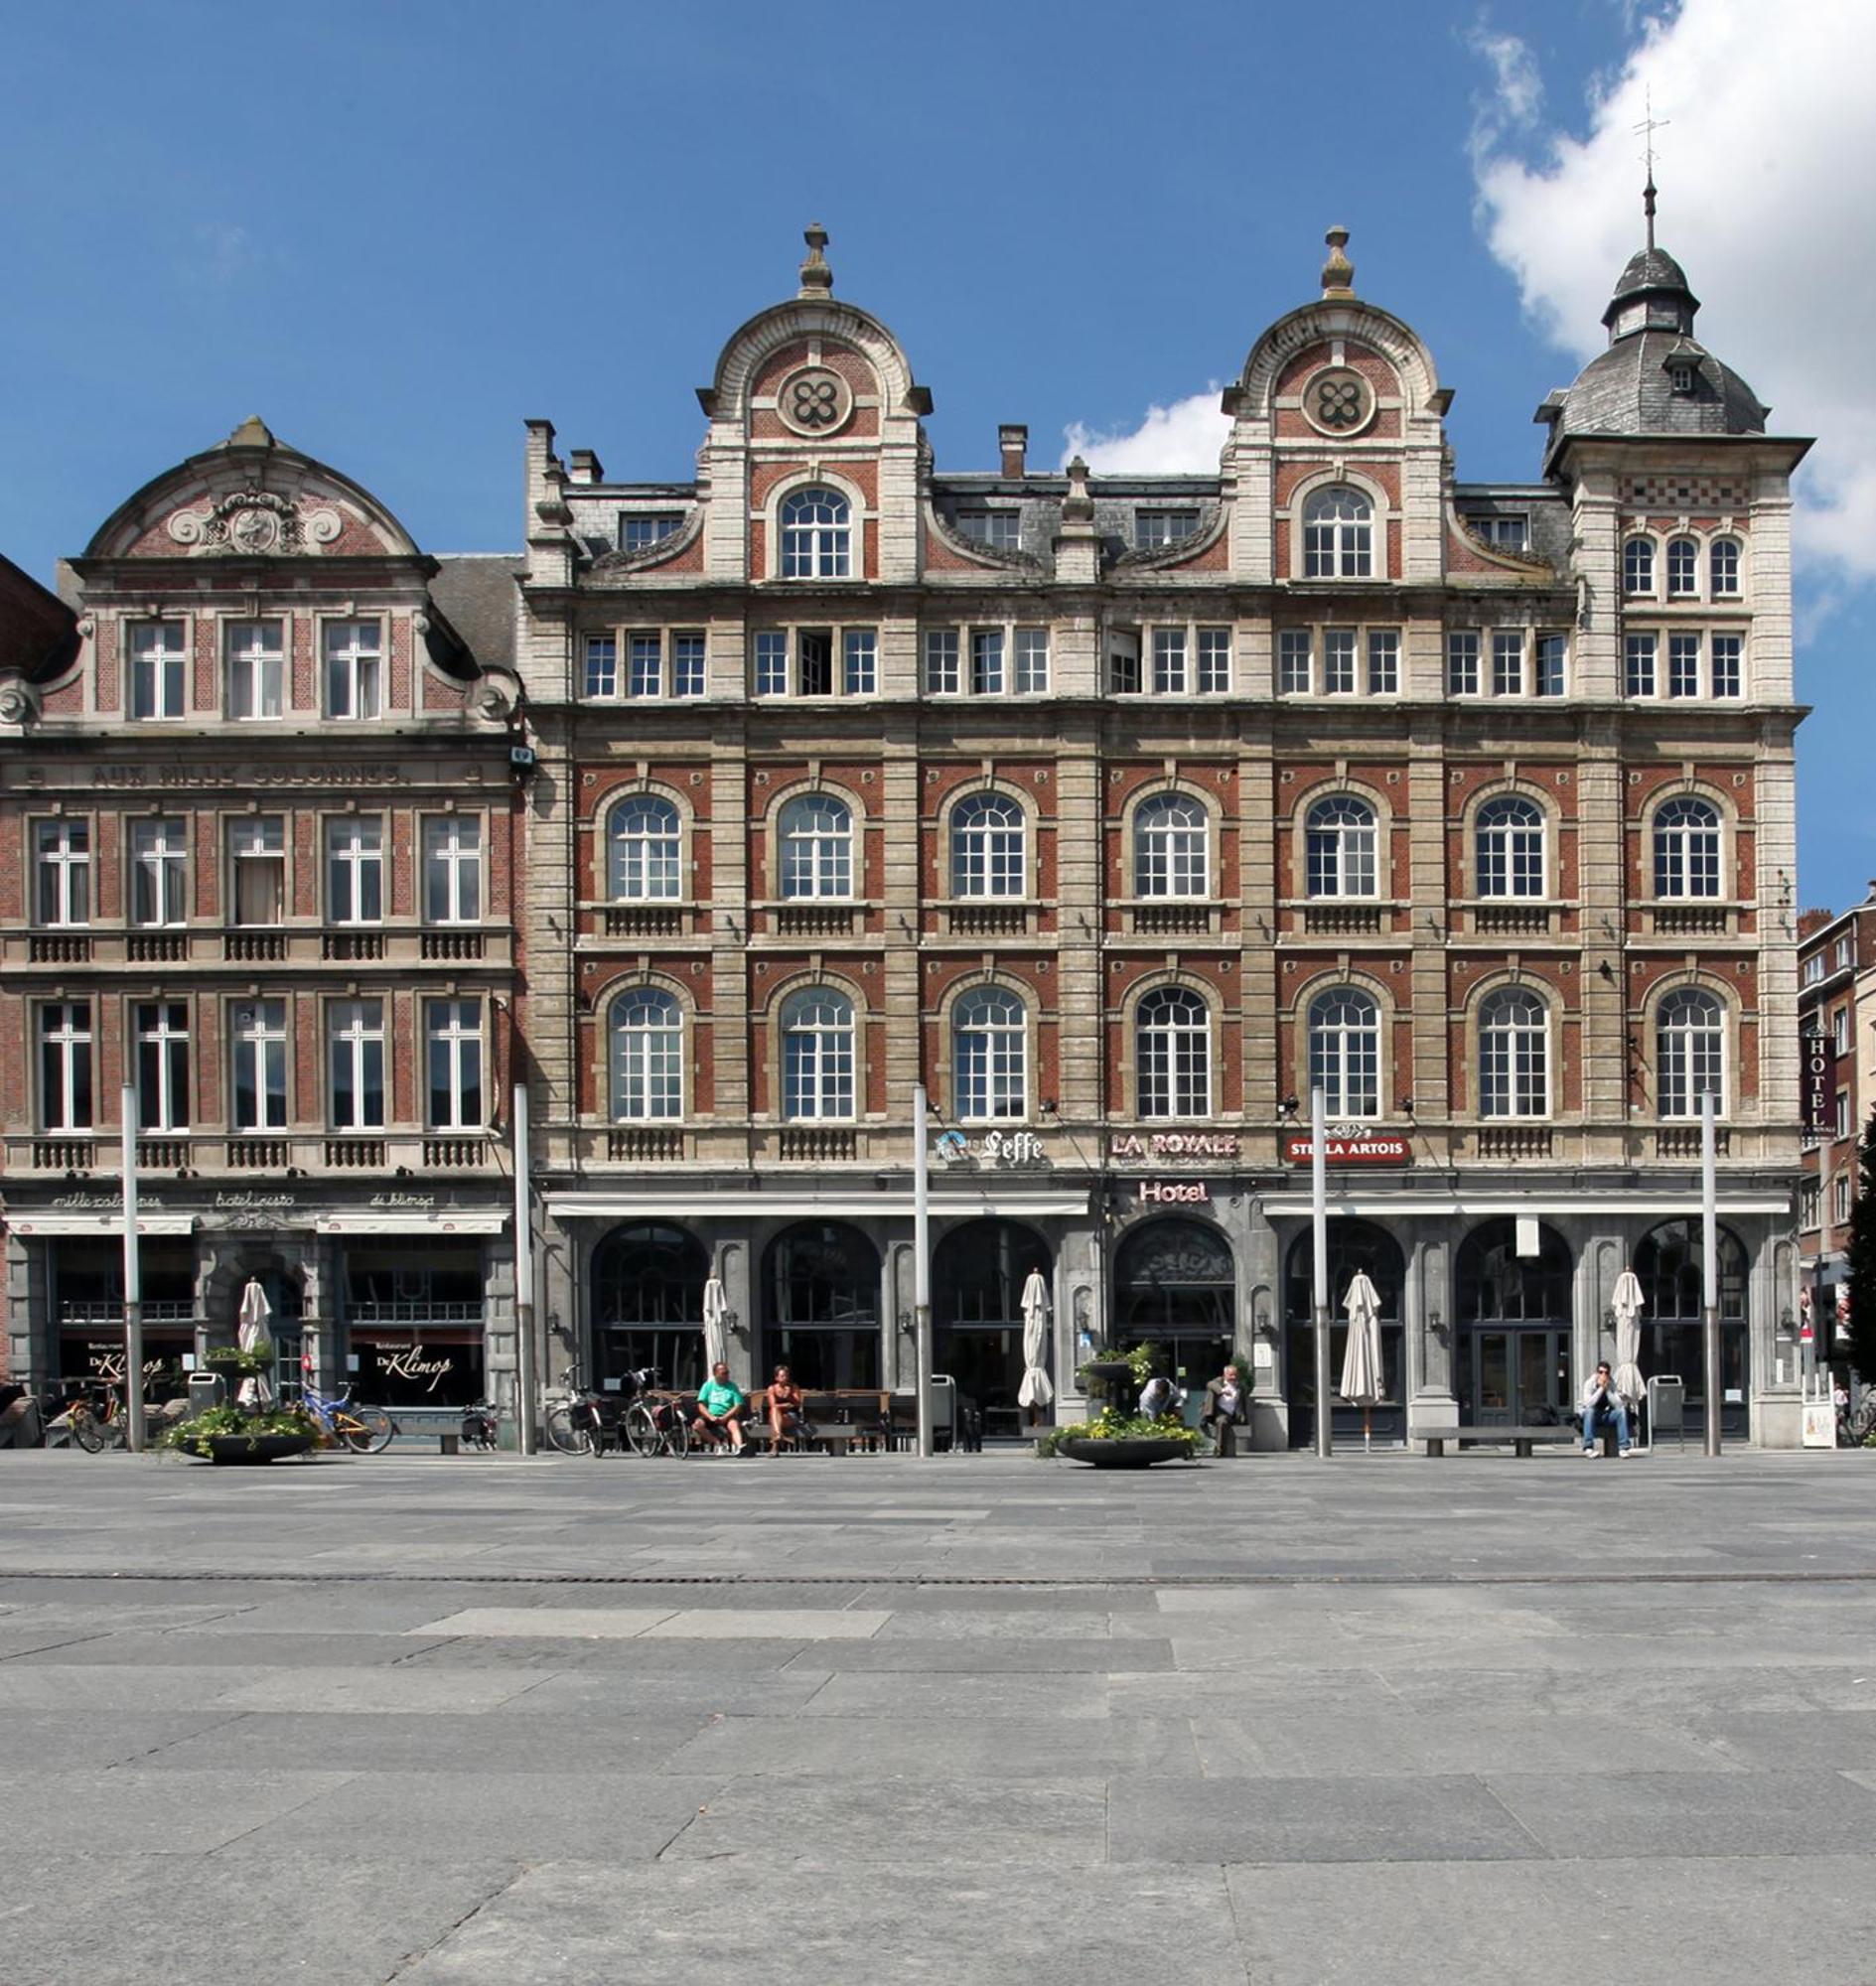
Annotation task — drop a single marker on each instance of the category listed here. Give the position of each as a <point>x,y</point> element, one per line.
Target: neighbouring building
<point>260,838</point>
<point>1121,811</point>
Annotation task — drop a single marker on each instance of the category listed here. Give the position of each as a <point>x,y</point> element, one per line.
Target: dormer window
<point>1154,529</point>
<point>1001,531</point>
<point>640,530</point>
<point>1681,376</point>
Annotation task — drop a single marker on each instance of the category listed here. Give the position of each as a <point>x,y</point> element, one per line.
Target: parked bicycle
<point>364,1430</point>
<point>97,1421</point>
<point>481,1425</point>
<point>637,1420</point>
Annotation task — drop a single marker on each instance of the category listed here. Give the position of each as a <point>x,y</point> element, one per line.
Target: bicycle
<point>655,1424</point>
<point>480,1423</point>
<point>94,1427</point>
<point>364,1430</point>
<point>581,1424</point>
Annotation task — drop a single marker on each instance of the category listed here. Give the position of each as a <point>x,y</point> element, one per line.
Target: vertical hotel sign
<point>1819,1065</point>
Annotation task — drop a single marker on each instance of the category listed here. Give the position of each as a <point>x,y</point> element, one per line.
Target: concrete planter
<point>1139,1452</point>
<point>239,1447</point>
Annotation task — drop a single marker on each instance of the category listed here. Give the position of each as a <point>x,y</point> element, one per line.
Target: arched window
<point>1509,844</point>
<point>816,1054</point>
<point>1686,848</point>
<point>1171,851</point>
<point>1340,838</point>
<point>821,1287</point>
<point>1338,535</point>
<point>1689,1053</point>
<point>1513,1055</point>
<point>645,1032</point>
<point>1683,569</point>
<point>648,1296</point>
<point>990,836</point>
<point>816,836</point>
<point>1723,568</point>
<point>1174,1279</point>
<point>643,851</point>
<point>1345,1053</point>
<point>990,1055</point>
<point>1172,1055</point>
<point>815,535</point>
<point>1496,1283</point>
<point>1637,566</point>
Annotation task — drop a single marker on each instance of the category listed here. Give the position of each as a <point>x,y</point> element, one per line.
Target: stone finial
<point>1078,507</point>
<point>818,280</point>
<point>253,433</point>
<point>1338,273</point>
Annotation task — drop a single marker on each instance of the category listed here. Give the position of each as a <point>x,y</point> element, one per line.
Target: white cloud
<point>1516,98</point>
<point>1181,440</point>
<point>1767,168</point>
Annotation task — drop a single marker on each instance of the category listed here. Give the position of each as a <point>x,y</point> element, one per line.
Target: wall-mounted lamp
<point>906,1322</point>
<point>1289,1106</point>
<point>1436,1324</point>
<point>1609,1319</point>
<point>1261,1321</point>
<point>1406,1106</point>
<point>1788,1325</point>
<point>1047,1106</point>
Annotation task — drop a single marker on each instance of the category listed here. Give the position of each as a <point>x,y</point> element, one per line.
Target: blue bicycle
<point>364,1430</point>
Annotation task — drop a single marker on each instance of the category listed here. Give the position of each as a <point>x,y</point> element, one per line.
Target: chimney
<point>586,467</point>
<point>1013,440</point>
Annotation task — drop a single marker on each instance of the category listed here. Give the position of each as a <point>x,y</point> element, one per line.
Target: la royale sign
<point>1350,1145</point>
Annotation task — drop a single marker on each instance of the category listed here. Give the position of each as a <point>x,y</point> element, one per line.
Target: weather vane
<point>1646,130</point>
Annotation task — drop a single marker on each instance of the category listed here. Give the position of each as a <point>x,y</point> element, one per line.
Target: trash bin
<point>1667,1408</point>
<point>944,1399</point>
<point>205,1390</point>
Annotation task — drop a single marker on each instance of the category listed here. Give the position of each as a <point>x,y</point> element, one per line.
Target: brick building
<point>260,842</point>
<point>1121,810</point>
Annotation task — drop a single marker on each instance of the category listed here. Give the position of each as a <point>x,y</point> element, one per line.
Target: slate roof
<point>475,592</point>
<point>1626,391</point>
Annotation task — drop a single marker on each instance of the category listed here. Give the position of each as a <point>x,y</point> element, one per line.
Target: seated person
<point>720,1410</point>
<point>785,1408</point>
<point>19,1418</point>
<point>1601,1402</point>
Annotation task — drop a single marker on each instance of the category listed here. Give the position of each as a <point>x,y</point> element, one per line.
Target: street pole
<point>523,1281</point>
<point>922,1271</point>
<point>1710,1271</point>
<point>133,1281</point>
<point>1318,1222</point>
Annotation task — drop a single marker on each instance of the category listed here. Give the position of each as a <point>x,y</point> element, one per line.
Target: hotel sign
<point>1351,1145</point>
<point>1821,1085</point>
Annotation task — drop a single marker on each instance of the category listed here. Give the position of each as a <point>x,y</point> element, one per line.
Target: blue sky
<point>396,232</point>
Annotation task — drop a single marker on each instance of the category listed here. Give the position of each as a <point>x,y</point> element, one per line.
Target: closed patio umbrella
<point>716,1337</point>
<point>1361,1360</point>
<point>1627,1305</point>
<point>1036,1391</point>
<point>257,1390</point>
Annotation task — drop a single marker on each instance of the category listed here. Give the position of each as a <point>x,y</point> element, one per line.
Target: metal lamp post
<point>1318,1224</point>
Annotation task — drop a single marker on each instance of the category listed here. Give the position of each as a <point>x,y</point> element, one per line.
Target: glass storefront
<point>1355,1247</point>
<point>820,1289</point>
<point>1175,1288</point>
<point>1512,1346</point>
<point>977,1276</point>
<point>1670,1267</point>
<point>414,1324</point>
<point>88,1292</point>
<point>648,1305</point>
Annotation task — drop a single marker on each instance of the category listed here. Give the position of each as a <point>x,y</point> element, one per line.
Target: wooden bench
<point>1522,1440</point>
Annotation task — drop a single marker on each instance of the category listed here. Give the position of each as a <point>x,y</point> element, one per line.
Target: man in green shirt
<point>720,1410</point>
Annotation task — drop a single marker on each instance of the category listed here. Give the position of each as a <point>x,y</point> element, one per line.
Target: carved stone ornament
<point>255,523</point>
<point>814,400</point>
<point>1337,400</point>
<point>18,705</point>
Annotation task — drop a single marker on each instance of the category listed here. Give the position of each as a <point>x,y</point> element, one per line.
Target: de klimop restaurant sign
<point>1350,1145</point>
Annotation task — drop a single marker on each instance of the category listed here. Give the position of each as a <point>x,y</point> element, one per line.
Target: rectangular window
<point>860,662</point>
<point>1638,664</point>
<point>1507,530</point>
<point>688,653</point>
<point>1813,968</point>
<point>1293,661</point>
<point>157,660</point>
<point>1551,652</point>
<point>452,870</point>
<point>353,686</point>
<point>1810,1203</point>
<point>1844,1114</point>
<point>1508,661</point>
<point>256,668</point>
<point>1683,665</point>
<point>257,857</point>
<point>987,661</point>
<point>1724,567</point>
<point>65,1065</point>
<point>257,1032</point>
<point>1032,661</point>
<point>162,1032</point>
<point>158,872</point>
<point>453,1038</point>
<point>645,665</point>
<point>1840,1030</point>
<point>1843,954</point>
<point>354,871</point>
<point>1462,662</point>
<point>772,664</point>
<point>1338,661</point>
<point>1383,662</point>
<point>1169,662</point>
<point>640,530</point>
<point>1153,529</point>
<point>1683,569</point>
<point>1728,677</point>
<point>1124,662</point>
<point>602,666</point>
<point>940,661</point>
<point>355,1065</point>
<point>1001,531</point>
<point>815,661</point>
<point>1840,1197</point>
<point>1214,661</point>
<point>61,863</point>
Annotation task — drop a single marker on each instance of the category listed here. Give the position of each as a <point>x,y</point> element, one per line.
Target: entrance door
<point>1516,1376</point>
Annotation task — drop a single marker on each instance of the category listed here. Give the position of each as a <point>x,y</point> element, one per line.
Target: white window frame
<point>1342,1031</point>
<point>1172,1055</point>
<point>819,1037</point>
<point>452,1048</point>
<point>1513,1055</point>
<point>452,869</point>
<point>1464,650</point>
<point>255,669</point>
<point>990,1056</point>
<point>160,1030</point>
<point>1683,568</point>
<point>989,857</point>
<point>259,839</point>
<point>1687,1052</point>
<point>159,672</point>
<point>351,669</point>
<point>357,1067</point>
<point>1688,854</point>
<point>355,869</point>
<point>62,873</point>
<point>67,1077</point>
<point>1501,847</point>
<point>1725,560</point>
<point>815,851</point>
<point>257,1045</point>
<point>1341,849</point>
<point>1637,567</point>
<point>645,856</point>
<point>1171,840</point>
<point>159,872</point>
<point>1339,534</point>
<point>645,1056</point>
<point>814,545</point>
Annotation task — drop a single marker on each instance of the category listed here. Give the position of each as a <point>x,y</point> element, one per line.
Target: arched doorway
<point>1353,1245</point>
<point>1668,1266</point>
<point>1175,1288</point>
<point>820,1306</point>
<point>977,1275</point>
<point>647,1303</point>
<point>1512,1337</point>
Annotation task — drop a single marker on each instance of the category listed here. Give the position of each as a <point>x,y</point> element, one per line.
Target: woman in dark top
<point>785,1407</point>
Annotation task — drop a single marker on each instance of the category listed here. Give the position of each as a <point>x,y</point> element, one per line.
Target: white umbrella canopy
<point>716,1337</point>
<point>1036,1389</point>
<point>257,1390</point>
<point>1627,1304</point>
<point>1362,1359</point>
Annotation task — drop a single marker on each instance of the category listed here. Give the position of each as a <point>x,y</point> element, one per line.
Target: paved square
<point>977,1719</point>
